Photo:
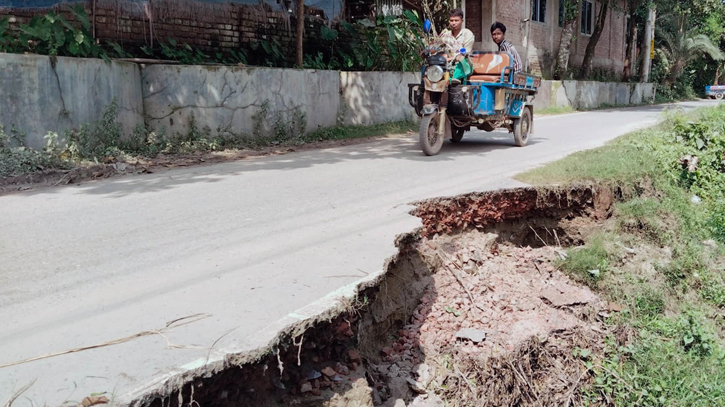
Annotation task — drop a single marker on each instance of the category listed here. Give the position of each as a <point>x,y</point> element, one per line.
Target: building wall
<point>217,27</point>
<point>539,42</point>
<point>473,13</point>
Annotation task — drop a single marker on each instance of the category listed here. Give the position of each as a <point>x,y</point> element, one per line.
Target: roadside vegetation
<point>660,256</point>
<point>389,43</point>
<point>102,142</point>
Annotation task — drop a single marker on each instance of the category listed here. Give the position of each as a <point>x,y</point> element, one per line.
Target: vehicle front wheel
<point>522,127</point>
<point>430,141</point>
<point>457,135</point>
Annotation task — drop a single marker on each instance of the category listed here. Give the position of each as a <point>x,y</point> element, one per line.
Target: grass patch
<point>357,132</point>
<point>675,362</point>
<point>620,161</point>
<point>650,303</point>
<point>589,263</point>
<point>672,183</point>
<point>555,110</point>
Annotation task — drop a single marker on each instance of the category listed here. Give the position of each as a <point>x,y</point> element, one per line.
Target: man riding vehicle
<point>498,34</point>
<point>455,38</point>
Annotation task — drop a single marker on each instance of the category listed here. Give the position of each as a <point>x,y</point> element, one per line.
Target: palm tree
<point>682,47</point>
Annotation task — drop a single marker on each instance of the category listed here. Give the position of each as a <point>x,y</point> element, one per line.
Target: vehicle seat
<point>487,66</point>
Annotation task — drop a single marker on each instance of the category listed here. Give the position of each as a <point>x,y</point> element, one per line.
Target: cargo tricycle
<point>716,91</point>
<point>480,91</point>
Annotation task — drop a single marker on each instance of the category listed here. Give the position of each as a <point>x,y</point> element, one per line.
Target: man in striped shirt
<point>498,33</point>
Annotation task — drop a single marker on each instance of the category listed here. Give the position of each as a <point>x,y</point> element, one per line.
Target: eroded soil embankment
<point>472,310</point>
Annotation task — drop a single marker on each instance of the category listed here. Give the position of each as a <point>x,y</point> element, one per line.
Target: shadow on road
<point>475,143</point>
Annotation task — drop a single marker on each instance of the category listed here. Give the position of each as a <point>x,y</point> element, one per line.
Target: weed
<point>686,261</point>
<point>590,262</point>
<point>659,372</point>
<point>260,120</point>
<point>96,140</point>
<point>554,110</point>
<point>695,339</point>
<point>713,289</point>
<point>182,52</point>
<point>270,53</point>
<point>643,215</point>
<point>650,303</point>
<point>51,34</point>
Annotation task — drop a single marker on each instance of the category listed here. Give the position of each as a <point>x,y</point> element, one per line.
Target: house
<point>534,27</point>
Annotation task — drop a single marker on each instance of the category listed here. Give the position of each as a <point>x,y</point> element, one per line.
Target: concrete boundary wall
<point>40,95</point>
<point>591,95</point>
<point>238,101</point>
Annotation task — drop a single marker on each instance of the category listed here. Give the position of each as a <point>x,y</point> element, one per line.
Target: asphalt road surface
<point>248,244</point>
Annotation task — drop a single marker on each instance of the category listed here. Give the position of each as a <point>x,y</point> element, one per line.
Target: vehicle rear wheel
<point>430,140</point>
<point>522,126</point>
<point>457,135</point>
<point>719,96</point>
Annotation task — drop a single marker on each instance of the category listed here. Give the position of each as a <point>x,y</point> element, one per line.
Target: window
<point>587,15</point>
<point>539,11</point>
<point>562,5</point>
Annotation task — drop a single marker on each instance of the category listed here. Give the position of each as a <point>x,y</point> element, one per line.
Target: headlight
<point>434,73</point>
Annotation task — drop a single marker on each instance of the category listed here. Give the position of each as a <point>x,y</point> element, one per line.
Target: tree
<point>630,54</point>
<point>594,39</point>
<point>683,47</point>
<point>570,14</point>
<point>437,11</point>
<point>684,56</point>
<point>300,31</point>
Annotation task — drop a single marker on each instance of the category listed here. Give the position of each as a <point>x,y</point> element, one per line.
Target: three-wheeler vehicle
<point>482,92</point>
<point>717,91</point>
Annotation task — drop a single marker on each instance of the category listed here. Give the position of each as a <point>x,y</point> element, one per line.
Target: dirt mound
<point>499,325</point>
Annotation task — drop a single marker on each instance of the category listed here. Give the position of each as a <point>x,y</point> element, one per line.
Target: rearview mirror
<point>426,26</point>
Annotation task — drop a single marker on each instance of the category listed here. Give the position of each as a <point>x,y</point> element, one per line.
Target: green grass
<point>675,362</point>
<point>589,263</point>
<point>554,110</point>
<point>675,306</point>
<point>619,161</point>
<point>356,132</point>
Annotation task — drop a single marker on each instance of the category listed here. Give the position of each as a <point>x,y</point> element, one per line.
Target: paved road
<point>249,243</point>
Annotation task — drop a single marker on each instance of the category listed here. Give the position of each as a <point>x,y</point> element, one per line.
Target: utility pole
<point>649,40</point>
<point>300,32</point>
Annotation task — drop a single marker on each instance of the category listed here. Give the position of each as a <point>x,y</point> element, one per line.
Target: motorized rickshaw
<point>482,92</point>
<point>715,91</point>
